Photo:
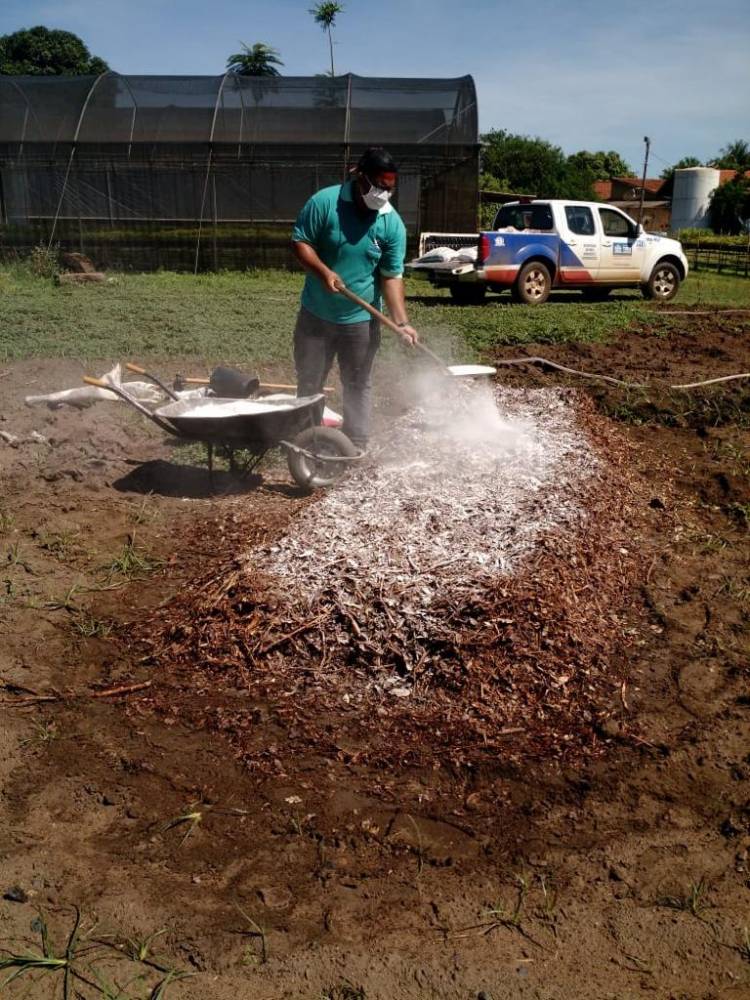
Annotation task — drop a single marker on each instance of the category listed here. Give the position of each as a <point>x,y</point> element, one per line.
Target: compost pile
<point>458,495</point>
<point>457,594</point>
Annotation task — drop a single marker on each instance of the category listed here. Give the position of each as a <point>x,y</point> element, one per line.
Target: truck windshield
<point>525,217</point>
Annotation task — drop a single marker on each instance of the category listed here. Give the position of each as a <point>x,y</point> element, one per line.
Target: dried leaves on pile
<point>460,595</point>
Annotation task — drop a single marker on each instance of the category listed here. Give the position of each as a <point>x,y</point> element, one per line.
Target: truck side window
<point>614,224</point>
<point>528,216</point>
<point>580,220</point>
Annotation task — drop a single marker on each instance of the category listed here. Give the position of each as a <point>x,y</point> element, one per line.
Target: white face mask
<point>376,198</point>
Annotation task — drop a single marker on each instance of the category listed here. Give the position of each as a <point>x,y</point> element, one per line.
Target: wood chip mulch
<point>530,664</point>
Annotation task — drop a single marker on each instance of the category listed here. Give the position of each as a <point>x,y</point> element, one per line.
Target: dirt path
<point>320,874</point>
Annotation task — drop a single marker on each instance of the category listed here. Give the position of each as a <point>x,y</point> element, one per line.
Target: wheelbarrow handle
<point>135,368</point>
<point>284,385</point>
<point>272,386</point>
<point>101,383</point>
<point>387,321</point>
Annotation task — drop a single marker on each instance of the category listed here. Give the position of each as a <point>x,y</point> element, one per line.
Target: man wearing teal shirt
<point>351,235</point>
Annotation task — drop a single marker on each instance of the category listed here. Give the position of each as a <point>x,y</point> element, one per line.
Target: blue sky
<point>586,75</point>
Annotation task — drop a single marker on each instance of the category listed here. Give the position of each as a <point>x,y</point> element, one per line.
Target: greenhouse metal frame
<point>204,173</point>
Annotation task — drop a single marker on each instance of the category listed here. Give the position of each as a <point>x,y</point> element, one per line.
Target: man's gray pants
<point>317,343</point>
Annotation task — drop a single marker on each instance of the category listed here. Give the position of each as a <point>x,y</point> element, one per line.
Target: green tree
<point>687,161</point>
<point>325,14</point>
<point>599,166</point>
<point>529,165</point>
<point>488,182</point>
<point>734,156</point>
<point>258,60</point>
<point>729,206</point>
<point>585,168</point>
<point>44,51</point>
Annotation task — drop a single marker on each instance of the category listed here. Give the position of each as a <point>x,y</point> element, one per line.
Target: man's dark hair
<point>376,160</point>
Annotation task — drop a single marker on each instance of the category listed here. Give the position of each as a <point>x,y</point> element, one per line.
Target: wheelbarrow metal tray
<point>255,424</point>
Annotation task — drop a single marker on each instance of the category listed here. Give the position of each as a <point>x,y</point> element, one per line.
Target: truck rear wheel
<point>533,284</point>
<point>663,284</point>
<point>468,293</point>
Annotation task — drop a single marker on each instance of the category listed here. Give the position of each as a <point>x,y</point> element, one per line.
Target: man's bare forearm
<point>395,302</point>
<point>393,293</point>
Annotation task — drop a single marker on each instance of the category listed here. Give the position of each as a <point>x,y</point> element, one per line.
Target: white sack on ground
<point>85,395</point>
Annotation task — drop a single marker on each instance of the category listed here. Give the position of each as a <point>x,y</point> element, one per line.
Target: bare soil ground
<point>327,868</point>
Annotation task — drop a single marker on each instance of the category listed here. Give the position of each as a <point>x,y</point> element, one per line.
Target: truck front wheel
<point>533,284</point>
<point>468,293</point>
<point>663,284</point>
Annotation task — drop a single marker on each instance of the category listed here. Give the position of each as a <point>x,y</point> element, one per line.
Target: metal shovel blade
<point>471,371</point>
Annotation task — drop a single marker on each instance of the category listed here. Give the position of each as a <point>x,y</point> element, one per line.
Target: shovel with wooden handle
<point>454,371</point>
<point>136,369</point>
<point>243,382</point>
<point>387,321</point>
<point>118,390</point>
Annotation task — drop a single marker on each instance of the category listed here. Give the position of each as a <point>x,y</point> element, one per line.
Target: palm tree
<point>687,161</point>
<point>734,156</point>
<point>324,14</point>
<point>260,60</point>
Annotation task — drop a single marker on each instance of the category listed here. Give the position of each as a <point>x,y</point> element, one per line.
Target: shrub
<point>44,261</point>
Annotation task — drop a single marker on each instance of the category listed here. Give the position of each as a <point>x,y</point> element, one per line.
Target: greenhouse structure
<point>200,173</point>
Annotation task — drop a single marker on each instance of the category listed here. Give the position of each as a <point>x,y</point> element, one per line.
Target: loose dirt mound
<point>692,347</point>
<point>446,602</point>
<point>620,875</point>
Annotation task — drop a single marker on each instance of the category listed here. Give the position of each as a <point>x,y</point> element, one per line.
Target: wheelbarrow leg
<point>210,458</point>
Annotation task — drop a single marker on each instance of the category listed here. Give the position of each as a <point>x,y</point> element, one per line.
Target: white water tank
<point>690,195</point>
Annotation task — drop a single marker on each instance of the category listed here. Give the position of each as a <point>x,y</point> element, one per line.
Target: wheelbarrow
<point>317,456</point>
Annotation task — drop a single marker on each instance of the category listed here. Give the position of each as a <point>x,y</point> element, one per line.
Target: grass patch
<point>130,562</point>
<point>694,900</point>
<point>14,557</point>
<point>66,602</point>
<point>254,931</point>
<point>189,820</point>
<point>43,733</point>
<point>344,991</point>
<point>82,965</point>
<point>231,316</point>
<point>60,544</point>
<point>88,626</point>
<point>502,915</point>
<point>248,317</point>
<point>712,406</point>
<point>140,949</point>
<point>744,945</point>
<point>146,511</point>
<point>46,959</point>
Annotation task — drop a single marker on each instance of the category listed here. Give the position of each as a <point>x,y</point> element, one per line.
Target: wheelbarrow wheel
<point>309,467</point>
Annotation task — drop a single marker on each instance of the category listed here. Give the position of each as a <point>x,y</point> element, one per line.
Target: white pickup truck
<point>537,245</point>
